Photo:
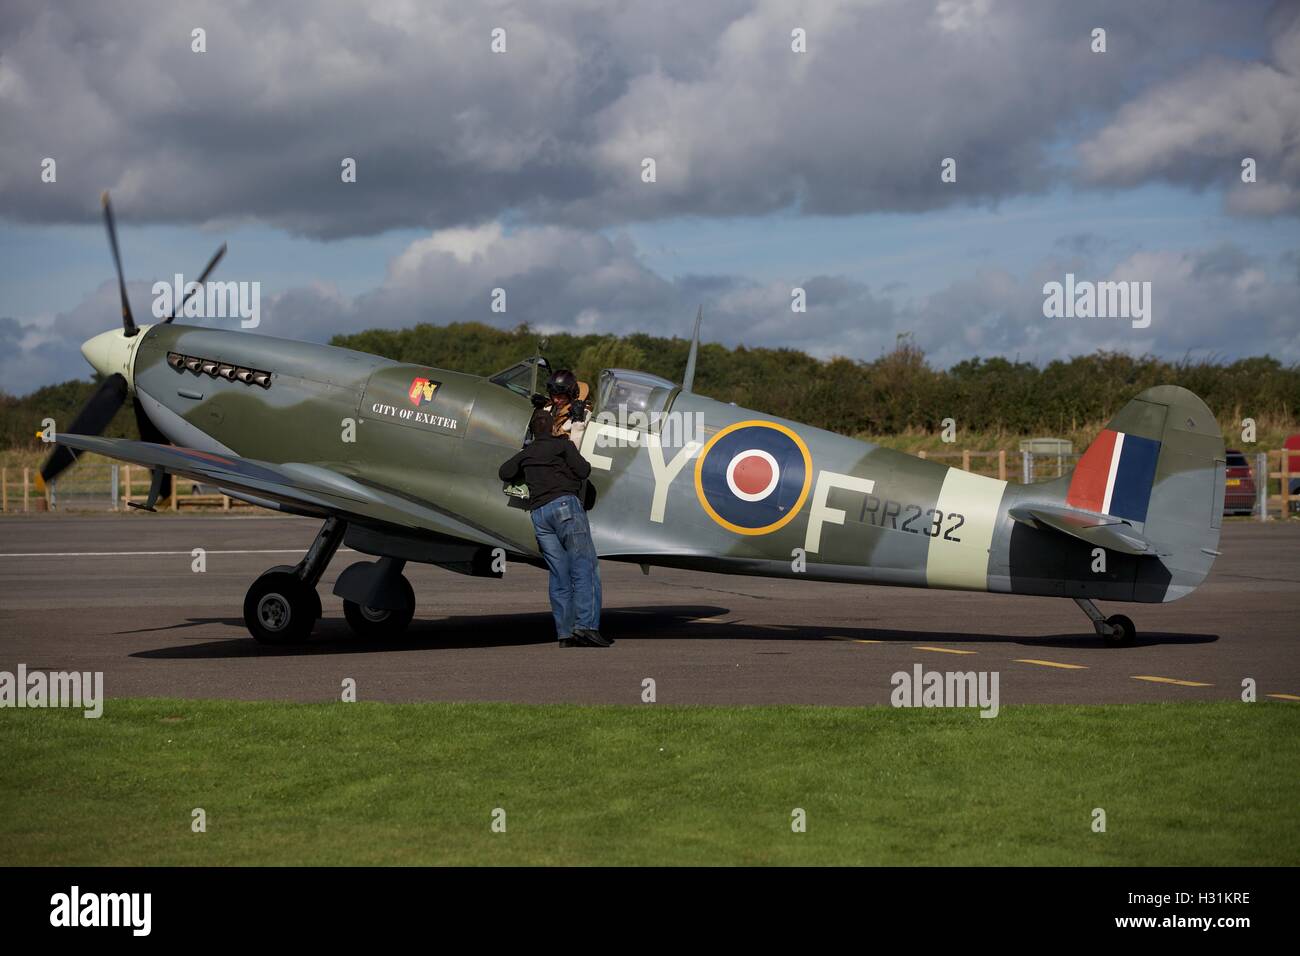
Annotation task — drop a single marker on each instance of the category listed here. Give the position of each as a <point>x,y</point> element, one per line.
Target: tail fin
<point>1159,466</point>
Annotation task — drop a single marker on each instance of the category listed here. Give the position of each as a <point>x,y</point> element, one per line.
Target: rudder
<point>1159,464</point>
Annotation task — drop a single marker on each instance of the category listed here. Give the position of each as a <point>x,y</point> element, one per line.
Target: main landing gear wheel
<point>382,622</point>
<point>282,606</point>
<point>281,609</point>
<point>291,570</point>
<point>1121,632</point>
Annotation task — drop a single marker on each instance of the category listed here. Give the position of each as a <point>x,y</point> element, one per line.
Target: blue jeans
<point>564,537</point>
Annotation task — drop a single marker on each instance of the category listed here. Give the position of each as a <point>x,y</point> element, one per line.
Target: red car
<point>1239,493</point>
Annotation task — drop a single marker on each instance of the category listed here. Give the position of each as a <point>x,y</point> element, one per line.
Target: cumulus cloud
<point>1218,301</point>
<point>560,279</point>
<point>446,133</point>
<point>521,168</point>
<point>1197,128</point>
<point>47,349</point>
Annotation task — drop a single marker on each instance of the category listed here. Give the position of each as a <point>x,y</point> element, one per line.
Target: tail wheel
<point>280,609</point>
<point>1121,632</point>
<point>382,622</point>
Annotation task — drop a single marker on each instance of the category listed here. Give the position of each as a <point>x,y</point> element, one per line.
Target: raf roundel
<point>753,477</point>
<point>752,474</point>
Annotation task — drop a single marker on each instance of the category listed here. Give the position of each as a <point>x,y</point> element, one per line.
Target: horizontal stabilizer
<point>1102,531</point>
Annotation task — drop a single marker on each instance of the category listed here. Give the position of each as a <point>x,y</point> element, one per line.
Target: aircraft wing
<point>297,488</point>
<point>1103,531</point>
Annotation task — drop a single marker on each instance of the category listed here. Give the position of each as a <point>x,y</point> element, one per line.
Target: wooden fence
<point>108,486</point>
<point>1286,502</point>
<point>1025,467</point>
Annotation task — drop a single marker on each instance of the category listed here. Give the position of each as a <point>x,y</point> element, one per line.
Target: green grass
<point>1209,783</point>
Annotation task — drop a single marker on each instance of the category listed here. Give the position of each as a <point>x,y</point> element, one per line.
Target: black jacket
<point>551,466</point>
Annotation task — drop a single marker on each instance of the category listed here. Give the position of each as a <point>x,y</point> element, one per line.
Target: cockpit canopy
<point>642,392</point>
<point>526,378</point>
<point>634,400</point>
<point>619,387</point>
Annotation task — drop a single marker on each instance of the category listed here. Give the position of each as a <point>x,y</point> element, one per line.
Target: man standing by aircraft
<point>554,472</point>
<point>571,411</point>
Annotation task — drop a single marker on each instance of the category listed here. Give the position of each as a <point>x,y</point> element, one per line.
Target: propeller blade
<point>148,430</point>
<point>91,420</point>
<point>152,433</point>
<point>212,264</point>
<point>128,320</point>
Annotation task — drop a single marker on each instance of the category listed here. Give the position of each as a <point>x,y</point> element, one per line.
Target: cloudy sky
<point>774,169</point>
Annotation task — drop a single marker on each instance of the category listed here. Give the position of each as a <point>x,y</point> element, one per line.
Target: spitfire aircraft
<point>400,461</point>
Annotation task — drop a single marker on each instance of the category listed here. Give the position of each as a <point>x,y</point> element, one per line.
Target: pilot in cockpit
<point>568,405</point>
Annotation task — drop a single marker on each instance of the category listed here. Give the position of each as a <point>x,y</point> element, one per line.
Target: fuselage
<point>681,480</point>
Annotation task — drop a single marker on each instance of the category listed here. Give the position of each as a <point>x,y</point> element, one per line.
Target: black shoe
<point>591,638</point>
<point>571,642</point>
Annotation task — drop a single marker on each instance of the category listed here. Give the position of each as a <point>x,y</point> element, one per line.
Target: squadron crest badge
<point>422,391</point>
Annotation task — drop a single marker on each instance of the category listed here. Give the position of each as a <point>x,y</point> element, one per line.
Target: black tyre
<point>382,622</point>
<point>293,570</point>
<point>1124,632</point>
<point>280,609</point>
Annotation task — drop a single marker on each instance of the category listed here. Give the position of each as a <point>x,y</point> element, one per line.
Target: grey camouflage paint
<point>444,449</point>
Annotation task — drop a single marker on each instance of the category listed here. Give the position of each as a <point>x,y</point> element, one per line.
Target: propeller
<point>129,327</point>
<point>111,394</point>
<point>91,420</point>
<point>212,264</point>
<point>151,433</point>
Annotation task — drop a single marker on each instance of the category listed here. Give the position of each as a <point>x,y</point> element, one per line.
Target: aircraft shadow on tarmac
<point>672,622</point>
<point>333,636</point>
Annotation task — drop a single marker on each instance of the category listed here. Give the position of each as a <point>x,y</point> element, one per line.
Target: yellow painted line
<point>1072,667</point>
<point>942,650</point>
<point>1170,680</point>
<point>1283,696</point>
<point>858,641</point>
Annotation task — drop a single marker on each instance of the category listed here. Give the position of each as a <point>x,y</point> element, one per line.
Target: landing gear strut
<point>1116,630</point>
<point>282,605</point>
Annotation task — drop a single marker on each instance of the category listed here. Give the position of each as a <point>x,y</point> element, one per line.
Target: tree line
<point>898,392</point>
